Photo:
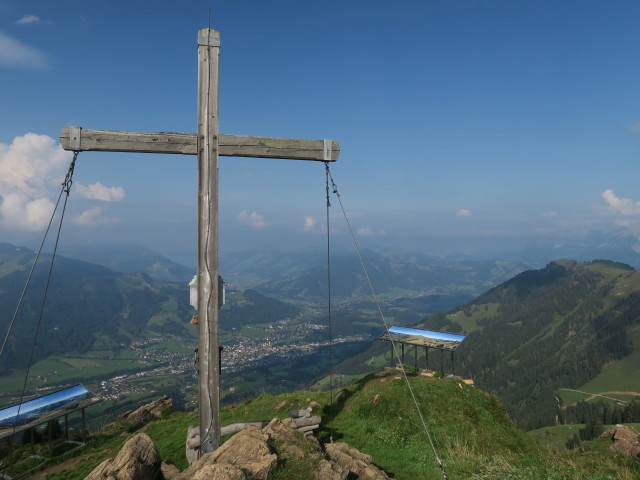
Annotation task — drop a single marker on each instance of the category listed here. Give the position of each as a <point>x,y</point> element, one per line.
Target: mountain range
<point>620,245</point>
<point>304,277</point>
<point>535,333</point>
<point>131,258</point>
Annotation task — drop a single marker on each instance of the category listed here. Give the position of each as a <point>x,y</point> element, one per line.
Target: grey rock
<point>146,413</point>
<point>138,459</point>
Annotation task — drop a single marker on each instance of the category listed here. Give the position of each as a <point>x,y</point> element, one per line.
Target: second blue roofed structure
<point>427,338</point>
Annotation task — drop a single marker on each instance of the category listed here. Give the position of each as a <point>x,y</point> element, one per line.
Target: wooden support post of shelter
<point>415,353</point>
<point>84,426</point>
<point>392,363</point>
<point>208,145</point>
<point>453,370</point>
<point>426,358</point>
<point>402,354</point>
<point>66,427</point>
<point>9,457</point>
<point>49,436</point>
<point>442,362</point>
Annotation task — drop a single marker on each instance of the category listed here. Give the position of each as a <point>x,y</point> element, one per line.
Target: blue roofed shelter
<point>426,338</point>
<point>38,411</point>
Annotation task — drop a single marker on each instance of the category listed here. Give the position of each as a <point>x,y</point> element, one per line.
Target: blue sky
<point>462,124</point>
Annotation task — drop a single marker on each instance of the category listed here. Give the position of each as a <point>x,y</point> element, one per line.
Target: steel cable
<point>386,325</point>
<point>66,188</point>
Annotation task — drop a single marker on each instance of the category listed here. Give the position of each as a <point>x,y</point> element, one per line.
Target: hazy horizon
<point>464,127</point>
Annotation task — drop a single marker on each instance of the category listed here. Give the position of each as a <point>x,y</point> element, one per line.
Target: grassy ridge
<point>470,431</point>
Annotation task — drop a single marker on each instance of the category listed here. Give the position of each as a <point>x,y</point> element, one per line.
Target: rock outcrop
<point>625,440</point>
<point>247,450</point>
<point>138,459</point>
<point>253,453</point>
<point>259,452</point>
<point>146,413</point>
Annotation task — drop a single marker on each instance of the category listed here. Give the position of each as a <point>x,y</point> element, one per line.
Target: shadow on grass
<point>327,432</point>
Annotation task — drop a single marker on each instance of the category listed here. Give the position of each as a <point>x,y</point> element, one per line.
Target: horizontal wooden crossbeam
<point>187,144</point>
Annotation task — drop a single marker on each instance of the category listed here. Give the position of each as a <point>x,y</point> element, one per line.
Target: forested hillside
<point>88,307</point>
<point>542,330</point>
<point>546,329</point>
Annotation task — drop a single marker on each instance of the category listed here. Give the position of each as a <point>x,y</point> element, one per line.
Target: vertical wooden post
<point>442,362</point>
<point>392,352</point>
<point>84,426</point>
<point>415,353</point>
<point>66,427</point>
<point>49,434</point>
<point>426,358</point>
<point>208,122</point>
<point>453,370</point>
<point>402,355</point>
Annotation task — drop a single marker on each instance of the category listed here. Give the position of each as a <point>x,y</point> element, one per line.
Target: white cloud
<point>552,213</point>
<point>15,54</point>
<point>18,211</point>
<point>253,219</point>
<point>620,206</point>
<point>97,191</point>
<point>93,216</point>
<point>463,212</point>
<point>369,231</point>
<point>31,20</point>
<point>32,168</point>
<point>309,224</point>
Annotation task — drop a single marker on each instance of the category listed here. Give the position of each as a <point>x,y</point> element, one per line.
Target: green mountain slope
<point>543,330</point>
<point>619,380</point>
<point>547,329</point>
<point>88,307</point>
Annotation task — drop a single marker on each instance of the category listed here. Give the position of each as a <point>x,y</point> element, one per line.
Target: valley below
<point>544,341</point>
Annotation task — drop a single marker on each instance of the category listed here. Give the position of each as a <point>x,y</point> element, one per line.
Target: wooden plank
<point>208,352</point>
<point>236,427</point>
<point>146,142</point>
<point>300,413</point>
<point>187,144</point>
<point>304,422</point>
<point>310,428</point>
<point>266,147</point>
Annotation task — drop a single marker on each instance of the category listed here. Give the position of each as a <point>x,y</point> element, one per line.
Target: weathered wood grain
<point>304,422</point>
<point>310,428</point>
<point>236,427</point>
<point>187,144</point>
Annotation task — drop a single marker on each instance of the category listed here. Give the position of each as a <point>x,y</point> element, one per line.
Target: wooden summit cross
<point>208,145</point>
